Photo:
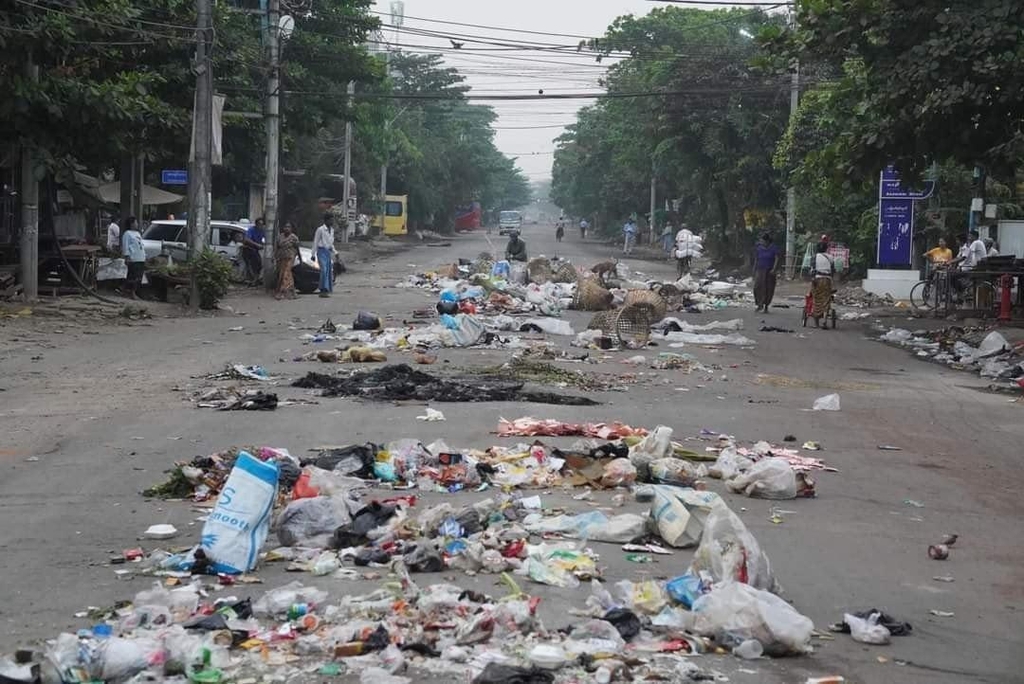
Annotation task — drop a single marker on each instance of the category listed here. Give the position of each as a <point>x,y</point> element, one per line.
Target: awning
<point>111,194</point>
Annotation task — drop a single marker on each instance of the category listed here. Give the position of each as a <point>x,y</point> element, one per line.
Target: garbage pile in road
<point>858,297</point>
<point>981,350</point>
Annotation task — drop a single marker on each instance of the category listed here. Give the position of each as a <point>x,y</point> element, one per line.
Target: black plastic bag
<point>367,519</point>
<point>366,321</point>
<point>496,673</point>
<point>625,621</point>
<point>424,558</point>
<point>355,460</point>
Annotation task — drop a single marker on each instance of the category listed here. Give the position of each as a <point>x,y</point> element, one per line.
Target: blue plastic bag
<point>240,522</point>
<point>685,589</point>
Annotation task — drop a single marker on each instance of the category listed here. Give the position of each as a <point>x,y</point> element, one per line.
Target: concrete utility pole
<point>347,192</point>
<point>199,191</point>
<point>654,205</point>
<point>273,120</point>
<point>29,211</point>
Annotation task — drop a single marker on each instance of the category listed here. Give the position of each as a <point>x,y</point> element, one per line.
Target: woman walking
<point>766,260</point>
<point>286,251</point>
<point>821,286</point>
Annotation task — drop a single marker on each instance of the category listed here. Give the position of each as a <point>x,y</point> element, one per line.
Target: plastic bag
<point>867,630</point>
<point>769,478</point>
<point>240,522</point>
<point>501,673</point>
<point>656,445</point>
<point>829,402</point>
<point>303,520</point>
<point>618,472</point>
<point>729,552</point>
<point>118,659</point>
<point>276,602</point>
<point>552,326</point>
<point>729,464</point>
<point>593,526</point>
<point>643,597</point>
<point>676,471</point>
<point>468,332</point>
<point>679,514</point>
<point>993,343</point>
<point>685,589</point>
<point>735,612</point>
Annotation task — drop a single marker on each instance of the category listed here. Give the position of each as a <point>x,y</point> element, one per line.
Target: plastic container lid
<point>161,532</point>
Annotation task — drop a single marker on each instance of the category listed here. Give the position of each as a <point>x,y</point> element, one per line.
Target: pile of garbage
<point>981,350</point>
<point>859,298</point>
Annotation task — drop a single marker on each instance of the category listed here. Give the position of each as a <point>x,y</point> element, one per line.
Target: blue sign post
<point>174,177</point>
<point>896,218</point>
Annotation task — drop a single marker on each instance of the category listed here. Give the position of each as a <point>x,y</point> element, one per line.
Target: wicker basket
<point>538,270</point>
<point>650,299</point>
<point>449,271</point>
<point>630,325</point>
<point>590,296</point>
<point>566,273</point>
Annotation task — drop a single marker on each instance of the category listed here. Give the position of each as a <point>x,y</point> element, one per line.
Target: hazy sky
<point>525,129</point>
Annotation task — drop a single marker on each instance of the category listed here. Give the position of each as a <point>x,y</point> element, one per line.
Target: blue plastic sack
<point>240,522</point>
<point>685,589</point>
<point>501,269</point>
<point>449,296</point>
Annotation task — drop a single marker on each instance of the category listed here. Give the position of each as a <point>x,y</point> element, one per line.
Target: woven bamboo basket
<point>590,296</point>
<point>539,270</point>
<point>650,299</point>
<point>566,273</point>
<point>629,325</point>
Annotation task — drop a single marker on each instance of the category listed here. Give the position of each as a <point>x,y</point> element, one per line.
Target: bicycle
<point>930,293</point>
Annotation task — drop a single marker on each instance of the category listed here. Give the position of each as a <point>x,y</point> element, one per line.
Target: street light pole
<point>347,192</point>
<point>29,248</point>
<point>794,103</point>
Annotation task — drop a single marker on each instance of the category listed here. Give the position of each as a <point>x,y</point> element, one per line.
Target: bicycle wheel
<point>922,297</point>
<point>985,297</point>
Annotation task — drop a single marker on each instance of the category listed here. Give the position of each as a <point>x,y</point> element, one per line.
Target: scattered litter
<point>888,447</point>
<point>912,502</point>
<point>161,532</point>
<point>432,416</point>
<point>944,578</point>
<point>532,427</point>
<point>942,613</point>
<point>938,551</point>
<point>829,402</point>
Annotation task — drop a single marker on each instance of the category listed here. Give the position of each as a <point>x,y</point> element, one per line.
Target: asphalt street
<point>94,412</point>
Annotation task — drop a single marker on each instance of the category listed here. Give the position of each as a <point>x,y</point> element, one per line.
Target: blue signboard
<point>174,177</point>
<point>890,188</point>
<point>895,232</point>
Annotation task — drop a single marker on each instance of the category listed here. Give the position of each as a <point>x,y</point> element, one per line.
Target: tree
<point>917,82</point>
<point>686,105</point>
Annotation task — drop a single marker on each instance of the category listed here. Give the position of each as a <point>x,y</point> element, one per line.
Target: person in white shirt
<point>975,253</point>
<point>135,255</point>
<point>822,286</point>
<point>324,251</point>
<point>993,248</point>
<point>584,226</point>
<point>113,237</point>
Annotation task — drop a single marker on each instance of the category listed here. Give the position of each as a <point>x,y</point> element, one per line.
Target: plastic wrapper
<point>729,464</point>
<point>676,471</point>
<point>867,630</point>
<point>276,602</point>
<point>829,402</point>
<point>643,597</point>
<point>734,612</point>
<point>552,326</point>
<point>593,526</point>
<point>656,445</point>
<point>618,472</point>
<point>729,552</point>
<point>679,514</point>
<point>309,522</point>
<point>594,637</point>
<point>769,478</point>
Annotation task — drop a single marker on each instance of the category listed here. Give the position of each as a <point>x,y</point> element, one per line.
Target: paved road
<point>96,419</point>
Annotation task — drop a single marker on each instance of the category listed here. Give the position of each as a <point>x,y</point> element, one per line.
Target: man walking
<point>584,226</point>
<point>323,248</point>
<point>252,247</point>
<point>629,231</point>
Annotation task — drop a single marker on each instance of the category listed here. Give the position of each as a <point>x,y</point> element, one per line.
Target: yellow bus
<point>396,216</point>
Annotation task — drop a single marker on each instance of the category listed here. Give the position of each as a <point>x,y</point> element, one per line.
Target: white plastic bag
<point>305,519</point>
<point>729,552</point>
<point>618,472</point>
<point>676,471</point>
<point>993,343</point>
<point>769,478</point>
<point>468,332</point>
<point>729,464</point>
<point>657,444</point>
<point>240,522</point>
<point>735,611</point>
<point>552,326</point>
<point>679,514</point>
<point>276,602</point>
<point>829,402</point>
<point>867,631</point>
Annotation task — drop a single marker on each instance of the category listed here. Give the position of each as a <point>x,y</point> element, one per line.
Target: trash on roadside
<point>366,321</point>
<point>944,578</point>
<point>867,630</point>
<point>888,447</point>
<point>679,515</point>
<point>729,552</point>
<point>829,402</point>
<point>941,613</point>
<point>161,532</point>
<point>734,612</point>
<point>532,427</point>
<point>431,416</point>
<point>869,624</point>
<point>938,551</point>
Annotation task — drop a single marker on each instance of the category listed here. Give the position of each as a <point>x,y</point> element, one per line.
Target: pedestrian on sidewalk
<point>252,248</point>
<point>113,237</point>
<point>629,232</point>
<point>584,226</point>
<point>135,255</point>
<point>286,252</point>
<point>766,260</point>
<point>668,238</point>
<point>324,251</point>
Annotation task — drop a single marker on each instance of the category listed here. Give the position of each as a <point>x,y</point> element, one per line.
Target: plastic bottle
<point>750,649</point>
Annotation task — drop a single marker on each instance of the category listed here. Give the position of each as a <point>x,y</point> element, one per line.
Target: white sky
<point>496,69</point>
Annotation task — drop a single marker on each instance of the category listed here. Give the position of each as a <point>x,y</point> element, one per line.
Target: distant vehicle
<point>396,219</point>
<point>468,217</point>
<point>226,239</point>
<point>509,221</point>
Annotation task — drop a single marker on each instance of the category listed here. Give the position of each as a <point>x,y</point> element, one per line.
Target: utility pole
<point>29,210</point>
<point>347,192</point>
<point>654,204</point>
<point>794,103</point>
<point>199,177</point>
<point>273,121</point>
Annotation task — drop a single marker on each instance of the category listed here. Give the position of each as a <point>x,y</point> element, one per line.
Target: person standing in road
<point>252,249</point>
<point>629,233</point>
<point>940,254</point>
<point>584,226</point>
<point>113,236</point>
<point>135,255</point>
<point>766,260</point>
<point>324,249</point>
<point>668,238</point>
<point>285,253</point>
